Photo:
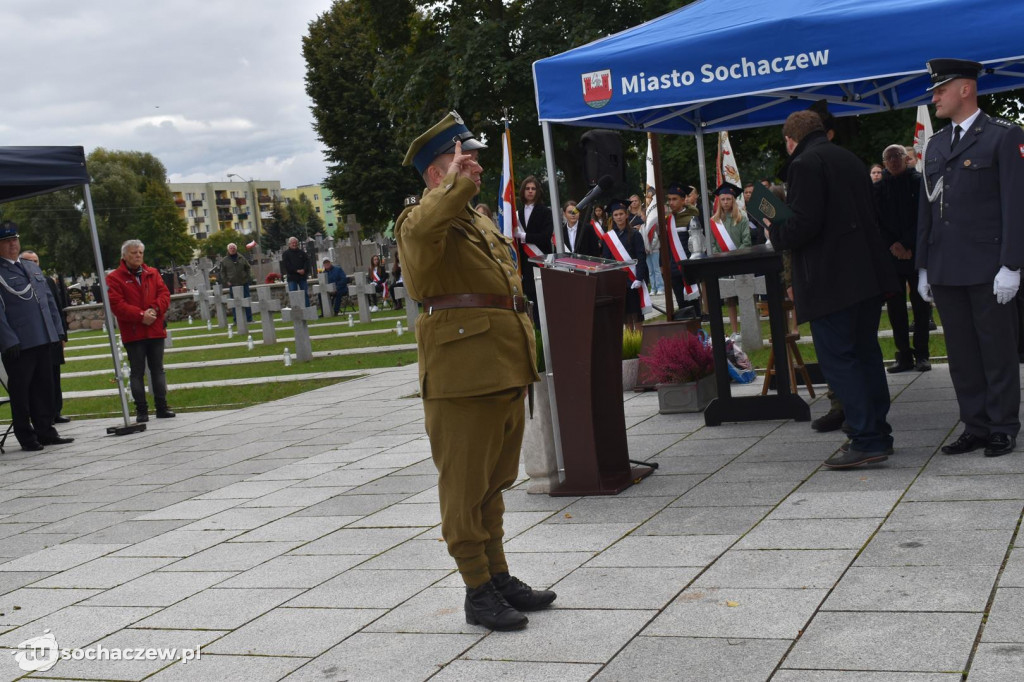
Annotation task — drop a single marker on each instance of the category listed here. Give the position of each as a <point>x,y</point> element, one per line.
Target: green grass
<point>199,399</point>
<point>248,371</point>
<point>936,347</point>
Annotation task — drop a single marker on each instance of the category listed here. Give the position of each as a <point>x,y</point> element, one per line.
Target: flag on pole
<point>651,220</point>
<point>508,221</point>
<point>922,130</point>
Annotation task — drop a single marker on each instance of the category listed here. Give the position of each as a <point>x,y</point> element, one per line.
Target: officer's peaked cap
<point>942,71</point>
<point>439,140</point>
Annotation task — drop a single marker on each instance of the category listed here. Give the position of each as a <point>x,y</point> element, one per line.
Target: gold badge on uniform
<point>967,163</point>
<point>767,209</point>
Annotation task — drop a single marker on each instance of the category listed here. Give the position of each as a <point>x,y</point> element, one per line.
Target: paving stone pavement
<point>299,540</point>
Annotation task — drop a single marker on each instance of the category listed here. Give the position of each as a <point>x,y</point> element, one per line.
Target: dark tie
<point>956,136</point>
<point>22,268</point>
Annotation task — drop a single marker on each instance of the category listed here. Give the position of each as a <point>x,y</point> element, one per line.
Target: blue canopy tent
<point>30,171</point>
<point>730,64</point>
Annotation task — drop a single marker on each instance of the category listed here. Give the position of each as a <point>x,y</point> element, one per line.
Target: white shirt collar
<point>966,124</point>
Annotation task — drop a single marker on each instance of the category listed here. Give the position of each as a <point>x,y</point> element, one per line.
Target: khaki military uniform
<point>474,365</point>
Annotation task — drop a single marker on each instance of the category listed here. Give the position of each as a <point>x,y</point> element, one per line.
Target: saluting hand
<point>465,165</point>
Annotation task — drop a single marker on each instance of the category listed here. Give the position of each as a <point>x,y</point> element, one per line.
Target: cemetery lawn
<point>197,399</point>
<point>229,373</point>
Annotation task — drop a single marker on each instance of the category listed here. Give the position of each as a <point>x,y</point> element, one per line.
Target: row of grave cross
<point>216,301</point>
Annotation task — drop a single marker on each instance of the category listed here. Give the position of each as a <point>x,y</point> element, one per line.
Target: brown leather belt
<point>516,303</point>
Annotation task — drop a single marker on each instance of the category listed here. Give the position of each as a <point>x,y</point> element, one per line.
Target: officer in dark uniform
<point>30,336</point>
<point>970,248</point>
<point>476,359</point>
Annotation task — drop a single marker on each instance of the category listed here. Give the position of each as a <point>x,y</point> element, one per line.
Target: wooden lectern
<point>584,304</point>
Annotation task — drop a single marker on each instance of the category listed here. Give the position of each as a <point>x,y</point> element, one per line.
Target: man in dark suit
<point>536,228</point>
<point>970,248</point>
<point>841,271</point>
<point>30,328</point>
<point>577,237</point>
<point>58,355</point>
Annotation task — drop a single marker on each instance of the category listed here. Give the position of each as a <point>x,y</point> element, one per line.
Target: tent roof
<point>28,171</point>
<point>729,64</point>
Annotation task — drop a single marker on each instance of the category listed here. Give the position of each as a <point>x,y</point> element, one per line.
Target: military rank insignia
<point>412,201</point>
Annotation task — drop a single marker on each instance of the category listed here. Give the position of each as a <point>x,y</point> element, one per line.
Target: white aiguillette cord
<point>936,191</point>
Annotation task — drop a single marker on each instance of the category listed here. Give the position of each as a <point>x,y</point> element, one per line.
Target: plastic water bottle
<point>398,327</point>
<point>105,325</point>
<point>231,332</point>
<point>209,325</point>
<point>287,357</point>
<point>249,343</point>
<point>350,322</point>
<point>190,319</point>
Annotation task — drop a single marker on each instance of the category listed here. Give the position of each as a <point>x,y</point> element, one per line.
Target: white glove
<point>637,283</point>
<point>520,234</point>
<point>1006,284</point>
<point>923,287</point>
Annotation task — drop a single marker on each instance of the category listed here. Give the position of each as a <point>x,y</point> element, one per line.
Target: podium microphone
<point>603,185</point>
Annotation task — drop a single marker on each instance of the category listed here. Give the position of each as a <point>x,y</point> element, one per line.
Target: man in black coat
<point>840,273</point>
<point>897,195</point>
<point>970,248</point>
<point>295,264</point>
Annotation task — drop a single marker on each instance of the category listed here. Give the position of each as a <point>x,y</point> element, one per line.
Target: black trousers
<point>897,308</point>
<point>981,341</point>
<point>30,385</point>
<point>140,354</point>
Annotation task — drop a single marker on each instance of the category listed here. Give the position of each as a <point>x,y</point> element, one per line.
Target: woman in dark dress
<point>633,242</point>
<point>376,266</point>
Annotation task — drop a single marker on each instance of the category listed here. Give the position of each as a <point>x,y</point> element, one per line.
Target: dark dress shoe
<point>1000,444</point>
<point>485,606</point>
<point>967,442</point>
<point>141,417</point>
<point>56,440</point>
<point>901,366</point>
<point>164,413</point>
<point>521,596</point>
<point>847,457</point>
<point>830,421</point>
<point>32,447</point>
<point>923,365</point>
<point>60,419</point>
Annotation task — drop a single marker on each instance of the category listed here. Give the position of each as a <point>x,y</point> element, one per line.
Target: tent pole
<point>115,352</point>
<point>549,374</point>
<point>663,235</point>
<point>705,214</point>
<point>556,211</point>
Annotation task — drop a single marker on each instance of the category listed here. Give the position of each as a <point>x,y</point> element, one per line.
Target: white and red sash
<point>691,291</point>
<point>722,237</point>
<point>531,250</point>
<point>614,244</point>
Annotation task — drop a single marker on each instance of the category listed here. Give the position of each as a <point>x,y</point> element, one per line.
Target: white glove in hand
<point>520,234</point>
<point>923,287</point>
<point>636,284</point>
<point>1006,284</point>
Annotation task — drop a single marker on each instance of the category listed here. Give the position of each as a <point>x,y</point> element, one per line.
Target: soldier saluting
<point>476,358</point>
<point>970,248</point>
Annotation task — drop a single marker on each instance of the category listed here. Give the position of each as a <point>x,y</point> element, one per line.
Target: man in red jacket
<point>139,300</point>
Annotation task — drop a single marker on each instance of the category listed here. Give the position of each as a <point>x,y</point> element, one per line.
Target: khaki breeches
<point>475,446</point>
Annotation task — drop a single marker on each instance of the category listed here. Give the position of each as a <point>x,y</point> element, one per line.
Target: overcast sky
<point>209,87</point>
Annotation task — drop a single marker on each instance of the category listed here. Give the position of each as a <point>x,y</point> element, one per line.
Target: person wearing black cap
<point>970,248</point>
<point>477,356</point>
<point>30,336</point>
<point>633,242</point>
<point>684,217</point>
<point>730,225</point>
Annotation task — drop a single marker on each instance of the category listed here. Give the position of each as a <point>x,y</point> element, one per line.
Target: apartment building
<point>209,207</point>
<point>322,201</point>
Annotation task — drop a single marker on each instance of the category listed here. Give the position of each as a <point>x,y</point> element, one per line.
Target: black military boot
<point>485,606</point>
<point>904,363</point>
<point>520,595</point>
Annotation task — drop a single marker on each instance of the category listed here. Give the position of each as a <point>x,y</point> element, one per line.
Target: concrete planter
<point>538,452</point>
<point>689,397</point>
<point>630,371</point>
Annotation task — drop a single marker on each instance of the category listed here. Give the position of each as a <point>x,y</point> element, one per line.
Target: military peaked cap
<point>439,140</point>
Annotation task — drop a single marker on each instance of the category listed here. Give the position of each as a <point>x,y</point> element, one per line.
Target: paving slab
<point>515,671</point>
<point>368,589</point>
<point>1005,623</point>
<point>981,515</point>
<point>997,663</point>
<point>810,534</point>
<point>878,641</point>
<point>295,632</point>
<point>796,569</point>
<point>159,589</point>
<point>673,659</point>
<point>218,609</point>
<point>913,588</point>
<point>937,548</point>
<point>738,612</point>
<point>656,550</point>
<point>230,669</point>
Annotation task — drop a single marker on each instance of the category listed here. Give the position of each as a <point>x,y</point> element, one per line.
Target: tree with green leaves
<point>51,224</point>
<point>132,201</point>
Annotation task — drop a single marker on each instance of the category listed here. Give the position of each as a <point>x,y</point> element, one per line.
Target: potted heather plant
<point>631,340</point>
<point>684,368</point>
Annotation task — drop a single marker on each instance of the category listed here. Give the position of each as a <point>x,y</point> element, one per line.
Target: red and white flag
<point>508,220</point>
<point>922,130</point>
<point>651,221</point>
<point>722,237</point>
